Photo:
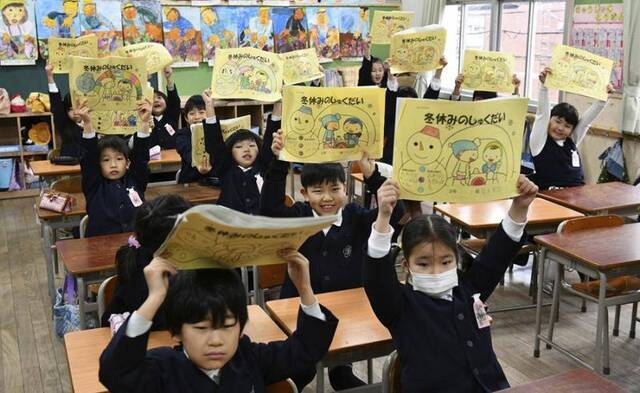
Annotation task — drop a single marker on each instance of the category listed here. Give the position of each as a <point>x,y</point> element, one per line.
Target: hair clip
<point>133,242</point>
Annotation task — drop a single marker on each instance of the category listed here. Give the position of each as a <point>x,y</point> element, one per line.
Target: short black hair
<point>407,91</point>
<point>194,102</point>
<point>240,136</point>
<point>318,174</point>
<point>161,94</point>
<point>567,112</point>
<point>484,95</point>
<point>205,294</point>
<point>114,142</point>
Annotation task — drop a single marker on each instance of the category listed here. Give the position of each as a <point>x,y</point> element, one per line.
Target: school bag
<point>66,312</point>
<point>6,171</point>
<point>614,167</point>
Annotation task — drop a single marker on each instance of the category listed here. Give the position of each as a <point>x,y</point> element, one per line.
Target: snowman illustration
<point>300,140</point>
<point>422,174</point>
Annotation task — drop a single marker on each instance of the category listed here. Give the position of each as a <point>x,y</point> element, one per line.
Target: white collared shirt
<point>338,222</point>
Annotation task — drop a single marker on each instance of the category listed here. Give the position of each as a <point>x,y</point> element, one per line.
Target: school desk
<point>600,253</point>
<point>351,188</point>
<point>597,199</point>
<point>578,380</point>
<point>51,221</point>
<point>84,348</point>
<point>360,336</point>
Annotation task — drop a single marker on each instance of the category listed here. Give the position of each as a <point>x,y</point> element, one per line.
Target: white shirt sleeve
<point>137,325</point>
<point>89,135</point>
<point>541,124</point>
<point>211,120</point>
<point>513,229</point>
<point>313,310</point>
<point>142,134</point>
<point>455,97</point>
<point>585,120</point>
<point>392,84</point>
<point>379,243</point>
<point>53,88</point>
<point>275,118</point>
<point>435,83</point>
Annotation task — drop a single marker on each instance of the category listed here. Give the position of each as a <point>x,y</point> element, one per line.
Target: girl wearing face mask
<point>438,326</point>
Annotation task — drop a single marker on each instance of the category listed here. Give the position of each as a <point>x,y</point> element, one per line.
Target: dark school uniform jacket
<point>554,166</point>
<point>188,173</point>
<point>440,345</point>
<point>238,188</point>
<point>165,130</point>
<point>335,259</point>
<point>70,132</point>
<point>127,366</point>
<point>109,207</point>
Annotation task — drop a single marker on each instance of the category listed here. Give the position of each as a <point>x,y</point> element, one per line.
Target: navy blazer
<point>440,345</point>
<point>70,132</point>
<point>238,188</point>
<point>161,135</point>
<point>108,205</point>
<point>127,366</point>
<point>335,259</point>
<point>188,173</point>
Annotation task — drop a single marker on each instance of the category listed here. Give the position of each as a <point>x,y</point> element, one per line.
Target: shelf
<point>24,114</point>
<point>30,192</point>
<point>24,153</point>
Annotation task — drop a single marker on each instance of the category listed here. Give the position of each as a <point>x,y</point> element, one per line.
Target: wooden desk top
<point>46,168</point>
<point>84,347</point>
<point>593,198</point>
<point>579,380</point>
<point>488,215</point>
<point>601,248</point>
<point>192,192</point>
<point>91,254</point>
<point>358,325</point>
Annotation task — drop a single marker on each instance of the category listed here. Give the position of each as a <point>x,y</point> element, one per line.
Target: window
<point>477,27</point>
<point>452,20</point>
<point>548,31</point>
<point>514,34</point>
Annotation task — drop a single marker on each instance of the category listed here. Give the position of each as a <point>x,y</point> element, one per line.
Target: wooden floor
<point>32,358</point>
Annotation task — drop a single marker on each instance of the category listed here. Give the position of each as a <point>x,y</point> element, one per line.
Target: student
<point>335,253</point>
<point>67,121</point>
<point>153,222</point>
<point>206,312</point>
<point>479,95</point>
<point>113,181</point>
<point>555,137</point>
<point>431,318</point>
<point>240,161</point>
<point>195,112</point>
<point>166,113</point>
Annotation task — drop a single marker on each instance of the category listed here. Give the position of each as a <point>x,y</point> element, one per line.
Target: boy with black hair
<point>195,112</point>
<point>206,313</point>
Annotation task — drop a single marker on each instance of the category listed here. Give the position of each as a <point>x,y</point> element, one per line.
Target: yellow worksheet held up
<point>301,66</point>
<point>450,151</point>
<point>325,124</point>
<point>61,50</point>
<point>386,23</point>
<point>580,72</point>
<point>156,55</point>
<point>247,73</point>
<point>417,49</point>
<point>229,126</point>
<point>488,71</point>
<point>199,155</point>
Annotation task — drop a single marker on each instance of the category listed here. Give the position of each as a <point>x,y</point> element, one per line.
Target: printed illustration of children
<point>466,152</point>
<point>492,156</point>
<point>330,123</point>
<point>352,131</point>
<point>17,35</point>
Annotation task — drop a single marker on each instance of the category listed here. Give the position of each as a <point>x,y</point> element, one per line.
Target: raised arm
<point>90,160</point>
<point>60,117</point>
<point>433,90</point>
<point>140,152</point>
<point>173,99</point>
<point>273,125</point>
<point>588,117</point>
<point>543,114</point>
<point>213,141</point>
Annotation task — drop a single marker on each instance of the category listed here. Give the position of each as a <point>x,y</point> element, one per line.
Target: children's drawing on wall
<point>290,29</point>
<point>156,56</point>
<point>219,30</point>
<point>458,151</point>
<point>329,124</point>
<point>247,73</point>
<point>387,23</point>
<point>104,19</point>
<point>61,49</point>
<point>301,66</point>
<point>112,87</point>
<point>256,28</point>
<point>488,71</point>
<point>182,35</point>
<point>354,30</point>
<point>141,21</point>
<point>580,72</point>
<point>17,33</point>
<point>324,34</point>
<point>417,49</point>
<point>56,18</point>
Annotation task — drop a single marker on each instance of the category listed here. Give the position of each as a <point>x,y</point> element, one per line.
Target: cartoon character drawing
<point>92,20</point>
<point>473,74</point>
<point>141,22</point>
<point>259,81</point>
<point>219,29</point>
<point>330,123</point>
<point>259,32</point>
<point>422,173</point>
<point>352,131</point>
<point>62,23</point>
<point>17,34</point>
<point>466,152</point>
<point>302,120</point>
<point>492,156</point>
<point>323,35</point>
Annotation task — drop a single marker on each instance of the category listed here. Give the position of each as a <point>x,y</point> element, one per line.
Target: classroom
<point>290,196</point>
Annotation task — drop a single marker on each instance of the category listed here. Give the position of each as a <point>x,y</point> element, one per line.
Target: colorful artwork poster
<point>387,23</point>
<point>229,126</point>
<point>247,73</point>
<point>580,72</point>
<point>458,151</point>
<point>354,30</point>
<point>141,21</point>
<point>488,71</point>
<point>182,36</point>
<point>324,124</point>
<point>290,29</point>
<point>112,87</point>
<point>324,34</point>
<point>104,19</point>
<point>301,66</point>
<point>417,49</point>
<point>157,57</point>
<point>18,45</point>
<point>61,49</point>
<point>56,18</point>
<point>256,28</point>
<point>219,30</point>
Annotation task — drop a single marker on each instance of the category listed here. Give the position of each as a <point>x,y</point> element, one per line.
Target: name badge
<point>480,310</point>
<point>575,159</point>
<point>169,129</point>
<point>134,197</point>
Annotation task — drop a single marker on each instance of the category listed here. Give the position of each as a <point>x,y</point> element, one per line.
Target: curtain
<point>631,72</point>
<point>432,11</point>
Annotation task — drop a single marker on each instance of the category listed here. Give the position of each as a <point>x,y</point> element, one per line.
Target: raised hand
<point>367,165</point>
<point>298,269</point>
<point>156,274</point>
<point>543,74</point>
<point>278,144</point>
<point>527,191</point>
<point>208,103</point>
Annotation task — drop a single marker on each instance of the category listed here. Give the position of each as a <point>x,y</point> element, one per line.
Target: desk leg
<point>541,257</point>
<point>369,371</point>
<point>81,302</point>
<point>47,243</point>
<point>597,356</point>
<point>54,253</point>
<point>559,276</point>
<point>319,378</point>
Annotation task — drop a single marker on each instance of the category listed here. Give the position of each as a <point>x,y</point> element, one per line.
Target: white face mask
<point>434,284</point>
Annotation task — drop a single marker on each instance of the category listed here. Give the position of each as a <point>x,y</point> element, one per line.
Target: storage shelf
<point>24,114</point>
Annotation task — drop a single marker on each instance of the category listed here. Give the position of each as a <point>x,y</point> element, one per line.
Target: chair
<point>53,153</point>
<point>286,386</point>
<point>70,185</point>
<point>105,293</point>
<point>83,226</point>
<point>354,168</point>
<point>178,175</point>
<point>391,371</point>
